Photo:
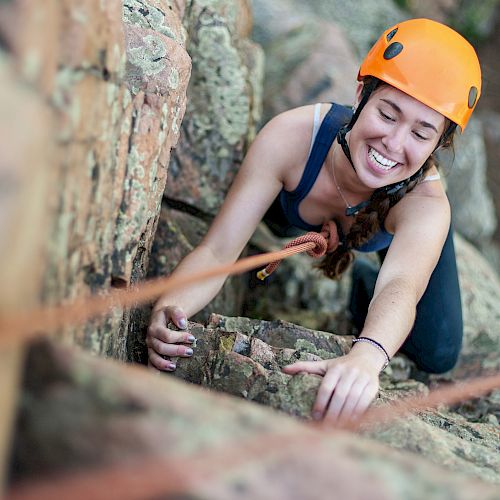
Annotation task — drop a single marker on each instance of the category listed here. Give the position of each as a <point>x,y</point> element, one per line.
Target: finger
<point>177,316</point>
<point>314,367</point>
<point>325,391</point>
<point>355,393</point>
<point>164,334</point>
<point>366,399</point>
<point>339,396</point>
<point>170,349</point>
<point>160,363</point>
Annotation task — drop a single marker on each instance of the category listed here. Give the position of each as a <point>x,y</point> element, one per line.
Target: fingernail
<point>316,415</point>
<point>182,323</point>
<point>189,352</point>
<point>172,366</point>
<point>191,338</point>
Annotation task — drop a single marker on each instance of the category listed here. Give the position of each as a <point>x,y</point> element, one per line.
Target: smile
<point>381,161</point>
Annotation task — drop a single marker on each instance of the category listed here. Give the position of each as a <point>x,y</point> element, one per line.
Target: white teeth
<point>382,162</point>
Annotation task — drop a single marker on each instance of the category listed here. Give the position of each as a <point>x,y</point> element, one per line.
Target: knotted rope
<point>326,241</point>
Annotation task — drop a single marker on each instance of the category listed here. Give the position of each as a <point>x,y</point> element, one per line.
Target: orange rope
<point>22,326</point>
<point>154,475</point>
<point>25,325</point>
<point>324,242</point>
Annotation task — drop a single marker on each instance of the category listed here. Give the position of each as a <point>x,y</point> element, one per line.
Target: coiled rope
<point>325,241</point>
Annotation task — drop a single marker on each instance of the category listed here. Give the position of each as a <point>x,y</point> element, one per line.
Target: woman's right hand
<point>163,342</point>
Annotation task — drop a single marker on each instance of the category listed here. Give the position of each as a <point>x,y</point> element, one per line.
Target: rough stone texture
<point>169,439</point>
<point>224,103</point>
<point>114,75</point>
<point>244,358</point>
<point>480,289</point>
<point>362,21</point>
<point>177,234</point>
<point>491,126</point>
<point>475,19</point>
<point>308,59</point>
<point>473,209</point>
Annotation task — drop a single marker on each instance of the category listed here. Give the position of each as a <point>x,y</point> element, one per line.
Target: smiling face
<point>393,137</point>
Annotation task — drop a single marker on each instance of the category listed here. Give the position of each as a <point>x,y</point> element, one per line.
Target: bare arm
<point>420,223</point>
<point>277,148</point>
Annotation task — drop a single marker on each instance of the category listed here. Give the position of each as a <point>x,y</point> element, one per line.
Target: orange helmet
<point>430,62</point>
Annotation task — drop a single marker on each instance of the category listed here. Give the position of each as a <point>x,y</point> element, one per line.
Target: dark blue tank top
<point>288,201</point>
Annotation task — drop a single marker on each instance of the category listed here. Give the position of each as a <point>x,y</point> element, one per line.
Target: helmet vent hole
<point>393,50</point>
<point>390,35</point>
<point>472,97</point>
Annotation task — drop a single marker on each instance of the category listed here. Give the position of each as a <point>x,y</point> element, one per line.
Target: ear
<point>359,88</point>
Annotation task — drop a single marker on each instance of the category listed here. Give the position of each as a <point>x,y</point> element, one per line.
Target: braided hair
<point>370,219</point>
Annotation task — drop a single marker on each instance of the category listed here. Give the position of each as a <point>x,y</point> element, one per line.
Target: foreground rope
<point>21,326</point>
<point>156,476</point>
<point>325,241</point>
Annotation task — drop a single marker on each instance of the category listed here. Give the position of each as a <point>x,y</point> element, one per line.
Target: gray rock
<point>471,201</point>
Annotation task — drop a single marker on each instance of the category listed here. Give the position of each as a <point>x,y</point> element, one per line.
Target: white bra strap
<point>435,177</point>
<point>317,113</point>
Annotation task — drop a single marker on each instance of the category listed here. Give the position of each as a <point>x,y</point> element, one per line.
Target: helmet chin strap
<point>368,88</point>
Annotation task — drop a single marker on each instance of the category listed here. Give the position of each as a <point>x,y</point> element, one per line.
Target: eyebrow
<point>398,110</point>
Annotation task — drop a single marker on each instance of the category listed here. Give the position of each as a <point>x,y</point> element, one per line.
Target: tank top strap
<point>335,118</point>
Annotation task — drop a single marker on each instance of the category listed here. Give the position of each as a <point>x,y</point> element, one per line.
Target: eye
<point>386,117</point>
<point>421,137</point>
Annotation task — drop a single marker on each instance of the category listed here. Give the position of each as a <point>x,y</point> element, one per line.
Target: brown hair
<point>370,219</point>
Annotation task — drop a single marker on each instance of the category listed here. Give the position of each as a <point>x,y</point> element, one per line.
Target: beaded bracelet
<point>374,343</point>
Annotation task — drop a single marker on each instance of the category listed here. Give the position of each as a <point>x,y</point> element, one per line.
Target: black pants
<point>436,338</point>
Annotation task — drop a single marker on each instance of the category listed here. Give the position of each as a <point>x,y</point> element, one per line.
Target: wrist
<point>373,355</point>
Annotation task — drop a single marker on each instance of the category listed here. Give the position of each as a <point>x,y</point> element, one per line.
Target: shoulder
<point>426,205</point>
<point>286,139</point>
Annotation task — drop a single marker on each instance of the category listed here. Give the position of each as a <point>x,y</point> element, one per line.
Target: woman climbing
<point>371,170</point>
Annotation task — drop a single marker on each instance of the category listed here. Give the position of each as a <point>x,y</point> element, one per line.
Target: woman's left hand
<point>349,385</point>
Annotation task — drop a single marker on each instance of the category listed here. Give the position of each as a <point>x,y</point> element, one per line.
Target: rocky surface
<point>154,437</point>
<point>244,358</point>
<point>224,103</point>
<point>480,290</point>
<point>308,60</point>
<point>112,79</point>
<point>464,168</point>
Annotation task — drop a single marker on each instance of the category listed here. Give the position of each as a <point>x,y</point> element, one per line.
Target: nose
<point>394,139</point>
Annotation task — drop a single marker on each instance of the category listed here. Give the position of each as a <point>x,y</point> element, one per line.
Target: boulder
<point>224,103</point>
<point>308,60</point>
<point>113,77</point>
<point>244,358</point>
<point>480,290</point>
<point>86,425</point>
<point>465,174</point>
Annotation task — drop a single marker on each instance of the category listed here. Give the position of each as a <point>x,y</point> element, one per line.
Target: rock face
<point>114,76</point>
<point>162,438</point>
<point>224,103</point>
<point>244,357</point>
<point>480,289</point>
<point>308,60</point>
<point>224,107</point>
<point>465,169</point>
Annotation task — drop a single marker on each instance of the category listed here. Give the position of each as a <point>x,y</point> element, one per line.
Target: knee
<point>439,360</point>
